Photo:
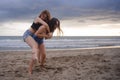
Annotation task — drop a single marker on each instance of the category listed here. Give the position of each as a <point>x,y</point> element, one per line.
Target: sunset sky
<point>78,17</point>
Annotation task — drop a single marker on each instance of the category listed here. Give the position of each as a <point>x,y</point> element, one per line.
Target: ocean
<point>64,42</point>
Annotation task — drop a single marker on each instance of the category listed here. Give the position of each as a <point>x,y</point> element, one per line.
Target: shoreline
<point>67,49</point>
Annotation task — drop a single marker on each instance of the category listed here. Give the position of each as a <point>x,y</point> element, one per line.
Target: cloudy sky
<point>78,17</point>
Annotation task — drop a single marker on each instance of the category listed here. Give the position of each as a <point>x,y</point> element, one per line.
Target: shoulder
<point>42,27</point>
<point>37,19</point>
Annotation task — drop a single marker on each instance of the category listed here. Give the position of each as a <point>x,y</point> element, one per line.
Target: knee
<point>35,50</point>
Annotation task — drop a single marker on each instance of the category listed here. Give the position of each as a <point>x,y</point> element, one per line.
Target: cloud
<point>26,10</point>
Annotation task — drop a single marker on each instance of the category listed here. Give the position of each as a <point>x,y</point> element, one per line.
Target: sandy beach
<point>66,64</point>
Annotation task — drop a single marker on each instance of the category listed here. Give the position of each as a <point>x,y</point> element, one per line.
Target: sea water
<point>64,42</point>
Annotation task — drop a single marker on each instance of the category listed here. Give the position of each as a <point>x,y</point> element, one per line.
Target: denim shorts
<point>26,34</point>
<point>38,40</point>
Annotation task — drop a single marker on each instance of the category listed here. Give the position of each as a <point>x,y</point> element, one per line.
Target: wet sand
<point>67,64</point>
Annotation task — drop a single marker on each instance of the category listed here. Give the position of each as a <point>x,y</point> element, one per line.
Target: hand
<point>49,35</point>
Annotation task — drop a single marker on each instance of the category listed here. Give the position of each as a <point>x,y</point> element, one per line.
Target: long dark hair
<point>54,24</point>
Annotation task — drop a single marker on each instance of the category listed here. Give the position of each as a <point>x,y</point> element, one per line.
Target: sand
<point>67,64</point>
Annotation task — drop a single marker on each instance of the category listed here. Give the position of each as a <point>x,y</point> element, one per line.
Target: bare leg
<point>42,53</point>
<point>35,51</point>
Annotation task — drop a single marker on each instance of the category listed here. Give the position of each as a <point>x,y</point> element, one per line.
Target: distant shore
<point>101,63</point>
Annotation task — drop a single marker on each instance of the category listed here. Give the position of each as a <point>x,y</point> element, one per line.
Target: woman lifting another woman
<point>43,27</point>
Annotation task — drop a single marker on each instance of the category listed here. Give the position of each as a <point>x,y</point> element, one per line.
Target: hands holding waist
<point>44,35</point>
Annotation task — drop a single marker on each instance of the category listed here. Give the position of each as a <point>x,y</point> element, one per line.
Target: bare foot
<point>30,71</point>
<point>42,66</point>
<point>42,63</point>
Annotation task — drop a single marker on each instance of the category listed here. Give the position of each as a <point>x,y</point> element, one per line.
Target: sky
<point>77,17</point>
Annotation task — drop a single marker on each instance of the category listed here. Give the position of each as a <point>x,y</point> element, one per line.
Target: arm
<point>49,35</point>
<point>43,22</point>
<point>41,32</point>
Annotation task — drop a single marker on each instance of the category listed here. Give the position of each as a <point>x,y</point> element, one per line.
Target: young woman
<point>42,19</point>
<point>42,33</point>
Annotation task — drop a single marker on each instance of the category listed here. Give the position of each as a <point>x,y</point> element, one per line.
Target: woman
<point>42,19</point>
<point>39,35</point>
<point>54,23</point>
